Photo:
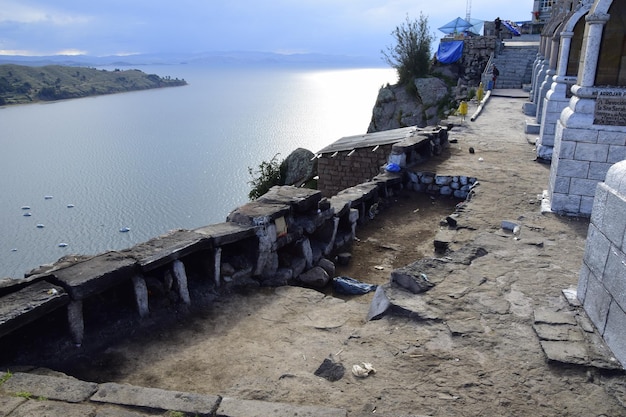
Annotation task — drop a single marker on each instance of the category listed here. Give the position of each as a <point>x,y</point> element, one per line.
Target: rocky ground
<point>476,352</point>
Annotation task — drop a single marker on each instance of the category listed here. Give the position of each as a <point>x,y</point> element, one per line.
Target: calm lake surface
<point>158,160</point>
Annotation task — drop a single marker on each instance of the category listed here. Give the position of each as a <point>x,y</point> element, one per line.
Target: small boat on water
<point>47,197</point>
<point>27,214</point>
<point>25,207</point>
<point>125,229</point>
<point>62,244</point>
<point>70,205</point>
<point>40,226</point>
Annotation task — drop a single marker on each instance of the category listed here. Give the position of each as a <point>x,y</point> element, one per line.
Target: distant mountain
<point>204,58</point>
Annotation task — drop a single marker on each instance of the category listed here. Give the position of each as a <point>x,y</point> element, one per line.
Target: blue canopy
<point>449,51</point>
<point>457,25</point>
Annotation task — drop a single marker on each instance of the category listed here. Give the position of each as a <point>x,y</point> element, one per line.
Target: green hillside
<point>23,84</point>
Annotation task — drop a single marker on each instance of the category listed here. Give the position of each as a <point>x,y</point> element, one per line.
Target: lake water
<point>157,160</point>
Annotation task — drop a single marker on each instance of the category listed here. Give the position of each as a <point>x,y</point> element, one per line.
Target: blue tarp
<point>449,51</point>
<point>511,28</point>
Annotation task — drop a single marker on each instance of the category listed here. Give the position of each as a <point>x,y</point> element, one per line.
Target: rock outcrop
<point>419,104</point>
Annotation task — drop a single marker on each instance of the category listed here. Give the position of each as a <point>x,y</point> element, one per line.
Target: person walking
<point>495,73</point>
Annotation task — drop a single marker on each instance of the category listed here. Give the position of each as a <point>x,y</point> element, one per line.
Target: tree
<point>411,54</point>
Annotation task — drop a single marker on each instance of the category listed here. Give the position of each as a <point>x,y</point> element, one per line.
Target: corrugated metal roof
<point>386,137</point>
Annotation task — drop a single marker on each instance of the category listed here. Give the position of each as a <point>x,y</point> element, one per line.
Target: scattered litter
<point>52,291</point>
<point>363,370</point>
<point>330,370</point>
<point>480,159</point>
<point>351,286</point>
<point>393,167</point>
<point>379,267</point>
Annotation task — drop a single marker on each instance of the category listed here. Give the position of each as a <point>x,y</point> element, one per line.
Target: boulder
<point>299,167</point>
<point>315,277</point>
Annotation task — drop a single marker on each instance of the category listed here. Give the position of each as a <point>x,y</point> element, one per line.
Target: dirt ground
<point>480,357</point>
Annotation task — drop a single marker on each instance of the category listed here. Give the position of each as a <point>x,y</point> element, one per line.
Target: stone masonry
<point>602,282</point>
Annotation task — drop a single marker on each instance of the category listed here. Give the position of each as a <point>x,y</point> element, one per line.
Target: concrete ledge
<point>94,275</point>
<point>131,395</point>
<point>35,408</point>
<point>230,407</point>
<point>50,387</point>
<point>28,304</point>
<point>166,248</point>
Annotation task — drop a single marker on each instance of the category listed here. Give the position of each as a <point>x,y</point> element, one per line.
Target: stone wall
<point>348,168</point>
<point>584,149</point>
<point>602,282</point>
<point>288,236</point>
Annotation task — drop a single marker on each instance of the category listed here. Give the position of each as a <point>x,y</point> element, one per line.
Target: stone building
<point>579,97</point>
<point>579,90</point>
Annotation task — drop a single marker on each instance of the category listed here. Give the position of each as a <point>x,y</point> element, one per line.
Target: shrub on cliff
<point>267,175</point>
<point>410,56</point>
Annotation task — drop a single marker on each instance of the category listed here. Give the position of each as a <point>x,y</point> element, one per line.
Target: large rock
<point>299,167</point>
<point>397,106</point>
<point>431,90</point>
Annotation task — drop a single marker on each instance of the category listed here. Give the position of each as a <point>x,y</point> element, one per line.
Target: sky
<point>125,27</point>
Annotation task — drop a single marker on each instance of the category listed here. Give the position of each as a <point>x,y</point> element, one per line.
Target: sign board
<point>610,108</point>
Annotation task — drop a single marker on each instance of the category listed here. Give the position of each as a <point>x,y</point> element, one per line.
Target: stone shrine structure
<point>602,282</point>
<point>588,75</point>
<point>579,96</point>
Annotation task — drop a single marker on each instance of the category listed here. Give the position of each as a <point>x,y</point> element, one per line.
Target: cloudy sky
<point>120,27</point>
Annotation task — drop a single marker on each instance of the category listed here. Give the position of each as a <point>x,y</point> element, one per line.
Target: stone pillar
<point>181,279</point>
<point>217,267</point>
<point>547,82</point>
<point>591,47</point>
<point>76,323</point>
<point>582,150</point>
<point>556,100</point>
<point>141,295</point>
<point>602,281</point>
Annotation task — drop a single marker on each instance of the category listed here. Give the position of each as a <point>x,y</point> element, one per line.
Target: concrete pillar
<point>547,82</point>
<point>591,47</point>
<point>556,99</point>
<point>75,320</point>
<point>217,267</point>
<point>181,279</point>
<point>141,295</point>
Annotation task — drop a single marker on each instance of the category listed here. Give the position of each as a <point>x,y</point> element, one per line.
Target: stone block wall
<point>602,282</point>
<point>349,168</point>
<point>583,153</point>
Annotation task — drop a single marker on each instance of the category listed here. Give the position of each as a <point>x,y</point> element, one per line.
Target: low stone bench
<point>28,304</point>
<point>90,277</point>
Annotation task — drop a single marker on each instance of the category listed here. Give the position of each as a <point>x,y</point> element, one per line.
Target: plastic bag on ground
<point>351,286</point>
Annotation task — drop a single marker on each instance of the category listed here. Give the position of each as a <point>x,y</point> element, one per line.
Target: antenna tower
<point>468,10</point>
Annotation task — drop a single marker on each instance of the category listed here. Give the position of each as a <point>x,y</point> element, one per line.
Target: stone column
<point>141,295</point>
<point>547,82</point>
<point>556,99</point>
<point>591,48</point>
<point>580,153</point>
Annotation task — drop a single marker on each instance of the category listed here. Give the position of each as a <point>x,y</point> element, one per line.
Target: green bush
<point>267,175</point>
<point>410,56</point>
